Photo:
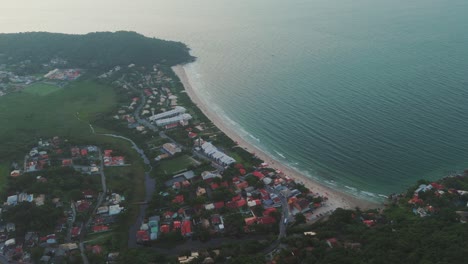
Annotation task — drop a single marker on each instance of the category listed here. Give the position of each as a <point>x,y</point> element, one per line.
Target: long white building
<point>212,152</point>
<point>174,112</point>
<point>173,120</point>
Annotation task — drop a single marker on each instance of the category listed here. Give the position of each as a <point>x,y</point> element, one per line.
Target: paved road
<point>3,260</point>
<point>150,185</point>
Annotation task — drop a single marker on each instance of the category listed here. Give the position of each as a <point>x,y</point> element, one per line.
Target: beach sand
<point>336,199</point>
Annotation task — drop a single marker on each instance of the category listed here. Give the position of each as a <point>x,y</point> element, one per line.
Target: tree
<point>300,218</point>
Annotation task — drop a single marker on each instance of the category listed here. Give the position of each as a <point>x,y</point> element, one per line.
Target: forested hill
<point>96,50</point>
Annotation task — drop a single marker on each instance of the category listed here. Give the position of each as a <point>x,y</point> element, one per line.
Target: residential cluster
<point>154,105</point>
<point>66,195</point>
<point>54,152</point>
<point>63,74</point>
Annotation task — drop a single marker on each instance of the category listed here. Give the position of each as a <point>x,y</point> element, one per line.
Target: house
<point>67,162</point>
<point>39,201</point>
<point>10,227</point>
<point>88,194</point>
<point>242,185</point>
<point>200,191</point>
<point>84,152</point>
<point>423,188</point>
<point>142,236</point>
<point>82,205</point>
<point>268,211</point>
<point>209,206</point>
<point>165,229</point>
<point>218,156</point>
<point>332,242</point>
<point>171,148</point>
<point>251,220</point>
<point>219,205</point>
<point>179,199</point>
<point>76,231</point>
<point>12,200</point>
<point>206,175</point>
<point>266,220</point>
<point>100,228</point>
<point>102,210</point>
<point>258,174</point>
<point>115,209</point>
<point>15,173</point>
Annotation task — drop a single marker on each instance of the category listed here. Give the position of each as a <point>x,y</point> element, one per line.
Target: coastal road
<point>284,214</point>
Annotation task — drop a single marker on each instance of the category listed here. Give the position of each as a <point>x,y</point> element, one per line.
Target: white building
<point>212,152</point>
<point>173,120</point>
<point>174,112</point>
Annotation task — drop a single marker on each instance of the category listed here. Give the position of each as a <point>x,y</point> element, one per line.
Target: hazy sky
<point>151,17</point>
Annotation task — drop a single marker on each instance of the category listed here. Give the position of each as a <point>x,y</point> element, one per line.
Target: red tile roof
<point>142,235</point>
<point>178,199</point>
<point>165,229</point>
<point>258,174</point>
<point>268,211</point>
<point>243,185</point>
<point>75,231</point>
<point>266,220</point>
<point>219,205</point>
<point>186,228</point>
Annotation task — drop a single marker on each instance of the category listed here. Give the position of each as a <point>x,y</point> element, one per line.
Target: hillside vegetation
<point>93,50</point>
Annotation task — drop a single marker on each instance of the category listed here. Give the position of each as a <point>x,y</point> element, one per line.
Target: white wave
<point>384,196</point>
<point>351,188</point>
<point>257,139</point>
<point>331,182</point>
<point>280,154</point>
<point>369,193</point>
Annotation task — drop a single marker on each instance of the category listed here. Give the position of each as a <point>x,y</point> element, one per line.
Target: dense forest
<point>96,50</point>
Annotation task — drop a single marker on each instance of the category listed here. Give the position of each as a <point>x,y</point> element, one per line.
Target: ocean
<point>365,95</point>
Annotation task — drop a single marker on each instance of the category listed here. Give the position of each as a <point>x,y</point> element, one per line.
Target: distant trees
<point>93,50</point>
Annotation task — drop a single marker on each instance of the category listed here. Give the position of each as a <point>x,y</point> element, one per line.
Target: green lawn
<point>4,174</point>
<point>25,117</point>
<point>172,166</point>
<point>41,89</point>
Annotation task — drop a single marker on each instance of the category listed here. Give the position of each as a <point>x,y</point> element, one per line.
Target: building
<point>180,119</point>
<point>218,156</point>
<point>174,112</point>
<point>171,148</point>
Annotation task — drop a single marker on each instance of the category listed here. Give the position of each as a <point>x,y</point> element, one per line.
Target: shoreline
<point>336,199</point>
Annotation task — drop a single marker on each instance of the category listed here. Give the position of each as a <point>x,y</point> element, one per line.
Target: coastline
<point>336,199</point>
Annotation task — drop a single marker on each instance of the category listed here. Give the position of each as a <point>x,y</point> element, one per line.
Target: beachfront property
<point>174,121</point>
<point>63,74</point>
<point>212,152</point>
<point>174,112</point>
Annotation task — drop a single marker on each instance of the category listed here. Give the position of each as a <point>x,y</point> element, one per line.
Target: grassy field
<point>175,165</point>
<point>26,117</point>
<point>4,174</point>
<point>41,89</point>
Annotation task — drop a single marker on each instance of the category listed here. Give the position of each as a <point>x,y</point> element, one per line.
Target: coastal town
<point>207,190</point>
<point>150,178</point>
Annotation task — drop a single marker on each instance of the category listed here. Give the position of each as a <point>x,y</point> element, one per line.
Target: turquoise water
<point>368,94</point>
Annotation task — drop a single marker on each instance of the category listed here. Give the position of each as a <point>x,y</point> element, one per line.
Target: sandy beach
<point>336,199</point>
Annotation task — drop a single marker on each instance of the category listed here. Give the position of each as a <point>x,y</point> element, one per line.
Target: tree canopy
<point>93,50</point>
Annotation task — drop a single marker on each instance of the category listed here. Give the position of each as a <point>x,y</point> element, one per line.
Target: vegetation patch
<point>178,164</point>
<point>4,174</point>
<point>25,117</point>
<point>41,89</point>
